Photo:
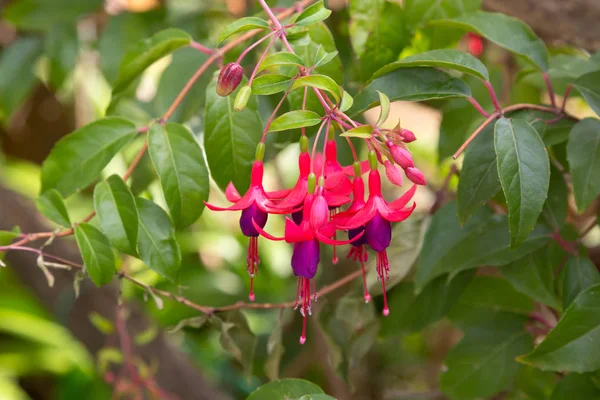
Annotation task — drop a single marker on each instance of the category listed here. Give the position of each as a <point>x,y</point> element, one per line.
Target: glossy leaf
<point>52,206</point>
<point>384,102</point>
<point>46,14</point>
<point>117,214</point>
<point>443,58</point>
<point>145,53</point>
<point>157,245</point>
<point>295,119</point>
<point>524,171</point>
<point>98,257</point>
<point>479,180</point>
<point>571,345</point>
<point>583,153</point>
<point>579,273</point>
<point>183,173</point>
<point>313,14</point>
<point>442,253</point>
<point>321,82</point>
<point>242,25</point>
<point>346,102</point>
<point>507,32</point>
<point>230,138</point>
<point>589,87</point>
<point>412,84</point>
<point>78,158</point>
<point>282,58</point>
<point>271,84</point>
<point>285,388</point>
<point>362,132</point>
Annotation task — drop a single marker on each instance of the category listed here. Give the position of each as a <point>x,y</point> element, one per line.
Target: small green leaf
<point>524,171</point>
<point>313,14</point>
<point>571,345</point>
<point>271,84</point>
<point>411,84</point>
<point>183,173</point>
<point>101,323</point>
<point>321,82</point>
<point>117,214</point>
<point>295,119</point>
<point>323,57</point>
<point>290,388</point>
<point>96,252</point>
<point>346,102</point>
<point>242,25</point>
<point>384,102</point>
<point>589,87</point>
<point>52,206</point>
<point>361,132</point>
<point>78,158</point>
<point>157,244</point>
<point>579,273</point>
<point>146,52</point>
<point>443,58</point>
<point>283,58</point>
<point>507,32</point>
<point>583,153</point>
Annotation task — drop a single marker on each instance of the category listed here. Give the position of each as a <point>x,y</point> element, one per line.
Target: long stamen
<point>305,310</point>
<point>252,262</point>
<point>383,268</point>
<point>364,274</point>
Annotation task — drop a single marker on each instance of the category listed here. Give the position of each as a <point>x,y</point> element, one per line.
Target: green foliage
<point>242,25</point>
<point>290,388</point>
<point>583,152</point>
<point>52,206</point>
<point>590,89</point>
<point>97,255</point>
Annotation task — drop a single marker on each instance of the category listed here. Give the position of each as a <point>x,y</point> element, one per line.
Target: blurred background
<point>57,62</point>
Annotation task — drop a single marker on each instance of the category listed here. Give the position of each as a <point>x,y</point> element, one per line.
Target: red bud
<point>229,78</point>
<point>407,135</point>
<point>393,173</point>
<point>415,176</point>
<point>401,156</point>
<point>319,213</point>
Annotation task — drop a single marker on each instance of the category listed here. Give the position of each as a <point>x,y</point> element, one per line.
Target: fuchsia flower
<point>404,159</point>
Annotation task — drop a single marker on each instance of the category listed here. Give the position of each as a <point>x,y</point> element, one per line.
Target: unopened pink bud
<point>229,78</point>
<point>416,176</point>
<point>401,156</point>
<point>393,173</point>
<point>407,136</point>
<point>319,213</point>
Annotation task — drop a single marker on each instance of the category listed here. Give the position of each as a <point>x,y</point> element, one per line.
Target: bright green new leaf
<point>384,102</point>
<point>242,25</point>
<point>324,57</point>
<point>283,58</point>
<point>313,14</point>
<point>589,87</point>
<point>583,153</point>
<point>321,82</point>
<point>295,119</point>
<point>346,102</point>
<point>52,206</point>
<point>362,132</point>
<point>98,257</point>
<point>271,84</point>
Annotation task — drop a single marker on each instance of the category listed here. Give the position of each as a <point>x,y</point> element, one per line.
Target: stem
<point>321,99</point>
<point>272,117</point>
<point>252,46</point>
<point>304,108</point>
<point>201,48</point>
<point>262,57</point>
<point>550,89</point>
<point>565,98</point>
<point>270,14</point>
<point>492,92</point>
<point>478,107</point>
<point>314,149</point>
<point>481,127</point>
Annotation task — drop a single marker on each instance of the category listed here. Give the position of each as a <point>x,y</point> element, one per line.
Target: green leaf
<point>46,14</point>
<point>479,180</point>
<point>443,58</point>
<point>324,57</point>
<point>242,25</point>
<point>524,170</point>
<point>579,273</point>
<point>571,345</point>
<point>443,253</point>
<point>346,102</point>
<point>16,74</point>
<point>157,244</point>
<point>583,153</point>
<point>419,12</point>
<point>230,138</point>
<point>271,84</point>
<point>507,32</point>
<point>295,119</point>
<point>555,209</point>
<point>576,386</point>
<point>145,53</point>
<point>320,40</point>
<point>313,14</point>
<point>183,173</point>
<point>62,48</point>
<point>384,102</point>
<point>117,214</point>
<point>237,338</point>
<point>283,58</point>
<point>101,323</point>
<point>290,388</point>
<point>533,275</point>
<point>321,82</point>
<point>412,84</point>
<point>362,132</point>
<point>589,87</point>
<point>77,159</point>
<point>98,257</point>
<point>52,206</point>
<point>316,397</point>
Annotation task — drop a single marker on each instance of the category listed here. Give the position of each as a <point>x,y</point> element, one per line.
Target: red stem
<point>550,89</point>
<point>492,92</point>
<point>478,107</point>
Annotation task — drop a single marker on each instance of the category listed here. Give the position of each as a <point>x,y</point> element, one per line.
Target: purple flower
<point>305,258</point>
<point>249,214</point>
<point>379,233</point>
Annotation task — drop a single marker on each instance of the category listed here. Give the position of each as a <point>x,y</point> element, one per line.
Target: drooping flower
<point>392,173</point>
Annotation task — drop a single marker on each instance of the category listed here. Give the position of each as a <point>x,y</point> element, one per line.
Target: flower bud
<point>229,79</point>
<point>242,98</point>
<point>407,136</point>
<point>415,176</point>
<point>401,156</point>
<point>393,173</point>
<point>319,213</point>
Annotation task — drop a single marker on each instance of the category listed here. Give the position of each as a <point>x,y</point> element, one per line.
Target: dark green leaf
<point>443,58</point>
<point>583,153</point>
<point>524,170</point>
<point>46,14</point>
<point>444,253</point>
<point>271,84</point>
<point>507,32</point>
<point>295,119</point>
<point>413,84</point>
<point>589,87</point>
<point>285,388</point>
<point>533,384</point>
<point>62,48</point>
<point>479,180</point>
<point>98,257</point>
<point>145,53</point>
<point>321,82</point>
<point>579,273</point>
<point>571,345</point>
<point>157,245</point>
<point>183,173</point>
<point>237,338</point>
<point>313,14</point>
<point>242,25</point>
<point>52,206</point>
<point>576,386</point>
<point>419,12</point>
<point>230,138</point>
<point>77,159</point>
<point>362,132</point>
<point>282,58</point>
<point>117,214</point>
<point>556,207</point>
